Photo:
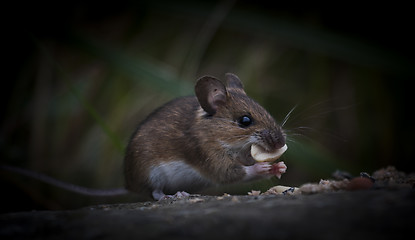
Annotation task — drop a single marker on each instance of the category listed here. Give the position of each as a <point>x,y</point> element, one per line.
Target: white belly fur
<point>174,176</point>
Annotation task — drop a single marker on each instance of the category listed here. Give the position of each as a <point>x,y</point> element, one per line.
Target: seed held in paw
<point>260,155</point>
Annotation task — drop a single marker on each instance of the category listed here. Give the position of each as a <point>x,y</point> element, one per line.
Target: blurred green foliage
<point>84,77</point>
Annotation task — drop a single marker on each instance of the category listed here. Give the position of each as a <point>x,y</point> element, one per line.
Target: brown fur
<point>203,131</point>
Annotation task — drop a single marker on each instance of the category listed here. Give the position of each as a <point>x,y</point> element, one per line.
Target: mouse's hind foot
<point>159,195</point>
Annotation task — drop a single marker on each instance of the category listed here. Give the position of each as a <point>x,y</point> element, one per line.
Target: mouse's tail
<point>64,185</point>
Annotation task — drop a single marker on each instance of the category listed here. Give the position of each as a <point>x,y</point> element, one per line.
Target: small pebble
<point>359,183</point>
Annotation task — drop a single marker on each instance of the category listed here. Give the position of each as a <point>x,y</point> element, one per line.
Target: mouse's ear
<point>211,93</point>
<point>233,82</point>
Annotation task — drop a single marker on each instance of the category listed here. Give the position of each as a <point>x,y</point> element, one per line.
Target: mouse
<point>195,142</point>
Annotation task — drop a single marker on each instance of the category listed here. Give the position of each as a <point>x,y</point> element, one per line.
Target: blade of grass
<point>202,40</point>
<point>344,47</point>
<point>84,103</point>
<point>95,115</point>
<point>139,69</point>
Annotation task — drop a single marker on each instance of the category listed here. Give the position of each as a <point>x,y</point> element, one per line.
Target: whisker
<point>304,111</point>
<point>319,110</point>
<point>298,135</point>
<point>247,143</point>
<point>288,115</point>
<point>291,140</point>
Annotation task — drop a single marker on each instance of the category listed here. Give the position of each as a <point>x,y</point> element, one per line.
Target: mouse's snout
<point>272,139</point>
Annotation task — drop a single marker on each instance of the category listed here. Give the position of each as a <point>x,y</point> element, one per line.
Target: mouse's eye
<point>245,121</point>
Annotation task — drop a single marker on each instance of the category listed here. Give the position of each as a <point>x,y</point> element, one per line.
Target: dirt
<point>383,211</point>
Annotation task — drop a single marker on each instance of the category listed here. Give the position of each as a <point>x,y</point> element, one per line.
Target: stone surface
<point>368,214</point>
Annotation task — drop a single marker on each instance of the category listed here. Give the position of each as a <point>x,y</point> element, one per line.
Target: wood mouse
<point>191,143</point>
<point>195,142</point>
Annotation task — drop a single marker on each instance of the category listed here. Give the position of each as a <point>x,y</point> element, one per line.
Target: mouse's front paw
<point>262,168</point>
<point>278,169</point>
<point>256,170</point>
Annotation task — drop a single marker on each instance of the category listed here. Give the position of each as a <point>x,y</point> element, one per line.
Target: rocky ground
<point>383,210</point>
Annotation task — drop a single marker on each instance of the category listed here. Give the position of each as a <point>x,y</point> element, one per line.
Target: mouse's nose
<point>279,140</point>
<point>274,139</point>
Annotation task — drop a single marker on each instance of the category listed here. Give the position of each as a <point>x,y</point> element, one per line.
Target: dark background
<point>79,77</point>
